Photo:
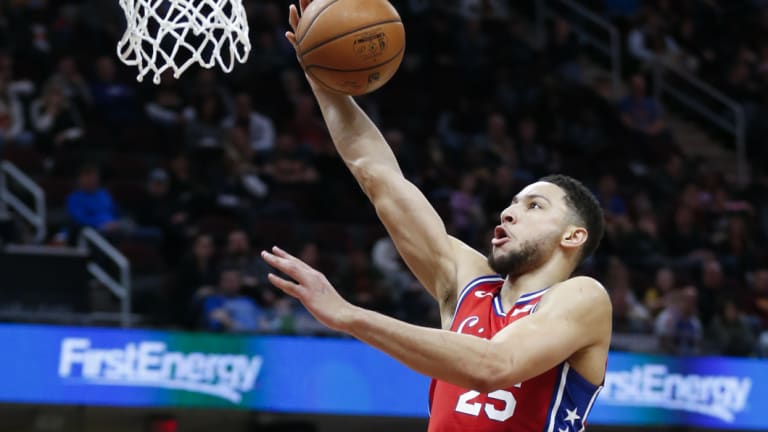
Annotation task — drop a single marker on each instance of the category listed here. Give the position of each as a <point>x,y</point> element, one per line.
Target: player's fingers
<point>291,38</point>
<point>291,288</point>
<point>301,265</point>
<point>286,265</point>
<point>293,17</point>
<point>283,254</point>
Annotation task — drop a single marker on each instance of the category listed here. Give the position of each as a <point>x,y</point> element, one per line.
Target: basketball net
<point>175,34</point>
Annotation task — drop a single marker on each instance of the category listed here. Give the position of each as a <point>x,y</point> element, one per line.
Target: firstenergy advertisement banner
<point>97,366</point>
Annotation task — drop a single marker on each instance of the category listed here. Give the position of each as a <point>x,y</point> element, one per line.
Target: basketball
<point>350,46</point>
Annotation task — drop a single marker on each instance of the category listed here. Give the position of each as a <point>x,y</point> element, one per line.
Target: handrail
<point>612,47</point>
<point>120,287</point>
<point>736,126</point>
<point>35,216</point>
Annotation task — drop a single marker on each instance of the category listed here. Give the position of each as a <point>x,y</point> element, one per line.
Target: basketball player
<point>524,351</point>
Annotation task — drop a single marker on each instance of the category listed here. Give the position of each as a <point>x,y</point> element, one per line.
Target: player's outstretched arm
<point>573,318</point>
<point>438,261</point>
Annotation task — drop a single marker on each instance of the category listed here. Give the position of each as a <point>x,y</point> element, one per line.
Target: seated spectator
<point>563,51</point>
<point>306,124</point>
<point>92,205</point>
<point>289,165</point>
<point>241,155</point>
<point>230,311</point>
<point>657,296</point>
<point>466,208</point>
<point>162,210</point>
<point>166,103</point>
<point>714,290</point>
<point>678,326</point>
<point>610,199</point>
<point>72,83</point>
<point>57,121</point>
<point>239,255</point>
<point>259,129</point>
<point>648,42</point>
<point>629,315</point>
<point>639,111</point>
<point>729,332</point>
<point>11,117</point>
<point>196,277</point>
<point>534,155</point>
<point>204,123</point>
<point>114,101</point>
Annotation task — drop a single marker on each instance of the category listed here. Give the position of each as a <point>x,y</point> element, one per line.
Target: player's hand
<point>311,288</point>
<point>294,15</point>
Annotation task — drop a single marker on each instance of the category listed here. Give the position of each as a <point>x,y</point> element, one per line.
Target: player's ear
<point>574,237</point>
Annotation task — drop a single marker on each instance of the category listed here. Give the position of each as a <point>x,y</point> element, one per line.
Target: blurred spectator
<point>683,237</point>
<point>629,315</point>
<point>166,103</point>
<point>730,333</point>
<point>162,210</point>
<point>73,85</point>
<point>114,101</point>
<point>289,164</point>
<point>204,123</point>
<point>230,311</point>
<point>189,190</point>
<point>241,159</point>
<point>56,120</point>
<point>259,129</point>
<point>11,117</point>
<point>92,205</point>
<point>466,210</point>
<point>608,194</point>
<point>563,51</point>
<point>386,260</point>
<point>239,255</point>
<point>196,277</point>
<point>649,42</point>
<point>643,247</point>
<point>306,125</point>
<point>640,112</point>
<point>713,290</point>
<point>657,296</point>
<point>678,326</point>
<point>496,142</point>
<point>535,156</point>
<point>362,284</point>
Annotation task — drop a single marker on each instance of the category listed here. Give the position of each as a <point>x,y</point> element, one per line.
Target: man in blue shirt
<point>229,310</point>
<point>91,204</point>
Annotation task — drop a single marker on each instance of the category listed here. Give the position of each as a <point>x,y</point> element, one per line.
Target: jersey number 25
<point>466,406</point>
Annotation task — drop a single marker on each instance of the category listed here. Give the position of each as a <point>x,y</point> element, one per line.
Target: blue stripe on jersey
<point>472,284</point>
<point>497,306</point>
<point>530,296</point>
<point>571,402</point>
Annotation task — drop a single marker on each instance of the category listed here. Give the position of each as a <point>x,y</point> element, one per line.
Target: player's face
<point>530,229</point>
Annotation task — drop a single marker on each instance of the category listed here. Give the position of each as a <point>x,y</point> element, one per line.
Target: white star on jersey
<point>572,416</point>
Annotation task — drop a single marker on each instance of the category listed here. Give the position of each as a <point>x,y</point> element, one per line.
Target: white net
<point>175,34</point>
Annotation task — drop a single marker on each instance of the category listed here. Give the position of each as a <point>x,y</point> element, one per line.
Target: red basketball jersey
<point>558,400</point>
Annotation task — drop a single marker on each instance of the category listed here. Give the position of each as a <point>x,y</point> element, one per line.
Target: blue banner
<point>99,366</point>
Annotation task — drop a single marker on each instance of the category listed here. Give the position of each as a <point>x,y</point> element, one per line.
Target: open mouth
<point>500,236</point>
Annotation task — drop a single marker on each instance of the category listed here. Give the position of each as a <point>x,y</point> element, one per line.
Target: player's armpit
<point>572,319</point>
<point>470,263</point>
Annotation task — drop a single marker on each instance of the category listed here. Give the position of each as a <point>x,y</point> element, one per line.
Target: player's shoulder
<point>583,291</point>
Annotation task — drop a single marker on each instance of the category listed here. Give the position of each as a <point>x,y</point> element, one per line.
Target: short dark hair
<point>585,206</point>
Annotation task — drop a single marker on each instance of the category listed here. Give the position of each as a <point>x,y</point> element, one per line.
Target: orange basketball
<point>350,46</point>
